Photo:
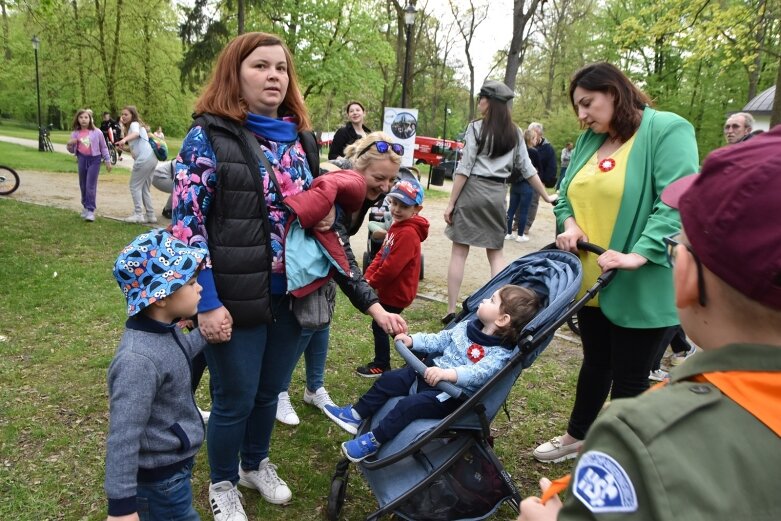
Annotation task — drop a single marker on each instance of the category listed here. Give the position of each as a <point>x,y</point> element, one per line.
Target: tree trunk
<point>759,39</point>
<point>240,14</point>
<point>467,30</point>
<point>775,115</point>
<point>6,32</point>
<point>519,41</point>
<point>80,55</point>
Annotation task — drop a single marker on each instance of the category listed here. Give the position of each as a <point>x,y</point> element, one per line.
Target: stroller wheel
<point>338,491</point>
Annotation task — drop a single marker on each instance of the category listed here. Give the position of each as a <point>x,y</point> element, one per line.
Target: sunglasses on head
<point>383,147</point>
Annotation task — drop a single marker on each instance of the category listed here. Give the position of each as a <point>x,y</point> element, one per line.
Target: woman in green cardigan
<point>610,197</point>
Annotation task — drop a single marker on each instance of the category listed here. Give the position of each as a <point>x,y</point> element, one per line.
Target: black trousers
<point>382,339</point>
<point>616,360</point>
<point>674,338</point>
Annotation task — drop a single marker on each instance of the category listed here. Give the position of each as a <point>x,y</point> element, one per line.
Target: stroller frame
<point>530,345</point>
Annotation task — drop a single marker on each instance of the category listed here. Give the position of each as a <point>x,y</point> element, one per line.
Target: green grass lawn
<point>61,315</point>
<point>20,157</point>
<point>27,131</point>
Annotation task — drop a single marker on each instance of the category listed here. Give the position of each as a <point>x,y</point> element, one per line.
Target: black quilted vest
<point>237,224</point>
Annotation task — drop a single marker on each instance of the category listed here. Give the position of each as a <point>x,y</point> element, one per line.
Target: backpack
<point>159,147</point>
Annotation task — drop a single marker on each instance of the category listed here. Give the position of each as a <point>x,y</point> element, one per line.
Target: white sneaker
<point>90,217</point>
<point>266,481</point>
<point>509,237</point>
<point>319,398</point>
<point>150,219</point>
<point>84,213</point>
<point>136,218</point>
<point>285,412</point>
<point>657,376</point>
<point>204,415</point>
<point>678,359</point>
<point>522,238</point>
<point>225,500</point>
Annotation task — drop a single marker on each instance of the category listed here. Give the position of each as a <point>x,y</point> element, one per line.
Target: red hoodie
<point>395,270</point>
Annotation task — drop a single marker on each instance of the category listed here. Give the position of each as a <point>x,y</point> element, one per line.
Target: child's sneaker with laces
<point>343,417</point>
<point>285,412</point>
<point>319,398</point>
<point>225,501</point>
<point>266,481</point>
<point>361,447</point>
<point>372,370</point>
<point>678,359</point>
<point>658,375</point>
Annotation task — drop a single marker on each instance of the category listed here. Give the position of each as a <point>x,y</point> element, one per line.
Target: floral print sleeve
<point>194,182</point>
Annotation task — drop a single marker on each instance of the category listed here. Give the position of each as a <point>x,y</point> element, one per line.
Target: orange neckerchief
<point>759,393</point>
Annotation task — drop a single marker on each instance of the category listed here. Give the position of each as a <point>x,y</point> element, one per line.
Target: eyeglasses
<point>672,242</point>
<point>383,147</point>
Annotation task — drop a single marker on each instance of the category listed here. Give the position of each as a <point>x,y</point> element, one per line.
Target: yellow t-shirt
<point>595,197</point>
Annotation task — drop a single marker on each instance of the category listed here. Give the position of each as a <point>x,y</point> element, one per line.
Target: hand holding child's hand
<point>434,375</point>
<point>404,339</point>
<point>216,325</point>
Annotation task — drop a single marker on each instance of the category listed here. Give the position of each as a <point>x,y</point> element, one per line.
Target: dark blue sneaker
<point>361,447</point>
<point>343,417</point>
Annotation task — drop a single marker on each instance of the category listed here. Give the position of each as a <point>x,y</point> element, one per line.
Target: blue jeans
<point>168,500</point>
<point>520,201</point>
<point>313,344</point>
<point>247,375</point>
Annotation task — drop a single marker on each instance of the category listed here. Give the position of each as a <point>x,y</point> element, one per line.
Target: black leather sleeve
<point>356,288</point>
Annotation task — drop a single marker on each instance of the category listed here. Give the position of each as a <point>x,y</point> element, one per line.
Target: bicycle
<point>9,180</point>
<point>112,152</point>
<point>45,139</point>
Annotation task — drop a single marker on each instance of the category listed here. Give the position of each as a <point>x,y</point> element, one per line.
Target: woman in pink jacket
<point>89,145</point>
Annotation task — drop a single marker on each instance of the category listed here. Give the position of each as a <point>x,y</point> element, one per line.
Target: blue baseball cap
<point>408,191</point>
<point>153,266</point>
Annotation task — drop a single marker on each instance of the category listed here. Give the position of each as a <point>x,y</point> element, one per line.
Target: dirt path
<point>62,191</point>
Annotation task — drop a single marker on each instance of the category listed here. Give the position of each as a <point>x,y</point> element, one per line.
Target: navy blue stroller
<point>446,469</point>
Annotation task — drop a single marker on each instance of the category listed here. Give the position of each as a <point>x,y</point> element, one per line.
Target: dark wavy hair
<point>521,304</point>
<point>498,133</point>
<point>627,98</point>
<point>222,95</point>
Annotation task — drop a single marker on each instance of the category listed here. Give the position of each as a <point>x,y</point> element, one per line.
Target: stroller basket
<point>446,469</point>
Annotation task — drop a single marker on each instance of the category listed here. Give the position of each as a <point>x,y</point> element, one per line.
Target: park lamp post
<point>409,21</point>
<point>36,45</point>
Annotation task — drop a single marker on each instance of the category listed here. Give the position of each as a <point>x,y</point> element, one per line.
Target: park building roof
<point>762,103</point>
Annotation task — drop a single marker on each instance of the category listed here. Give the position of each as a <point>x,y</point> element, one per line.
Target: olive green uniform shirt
<point>683,452</point>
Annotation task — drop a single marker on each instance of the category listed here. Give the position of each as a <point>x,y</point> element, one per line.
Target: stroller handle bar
<point>420,368</point>
<point>607,276</point>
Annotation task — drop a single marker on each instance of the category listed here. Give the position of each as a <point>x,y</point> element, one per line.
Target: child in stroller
<point>466,355</point>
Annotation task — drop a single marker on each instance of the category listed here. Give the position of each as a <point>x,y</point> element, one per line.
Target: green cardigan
<point>664,150</point>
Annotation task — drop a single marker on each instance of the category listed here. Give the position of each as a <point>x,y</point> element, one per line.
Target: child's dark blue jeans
<point>170,498</point>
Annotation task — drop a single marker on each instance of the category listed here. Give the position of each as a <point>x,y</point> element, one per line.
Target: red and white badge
<point>475,352</point>
<point>607,164</point>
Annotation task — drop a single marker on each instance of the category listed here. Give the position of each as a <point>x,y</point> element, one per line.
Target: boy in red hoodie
<point>395,270</point>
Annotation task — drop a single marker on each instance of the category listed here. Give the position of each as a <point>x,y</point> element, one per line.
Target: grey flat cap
<point>496,90</point>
